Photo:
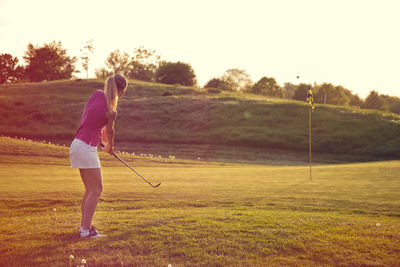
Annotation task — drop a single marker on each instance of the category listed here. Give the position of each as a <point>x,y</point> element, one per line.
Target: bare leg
<point>87,190</point>
<point>93,181</point>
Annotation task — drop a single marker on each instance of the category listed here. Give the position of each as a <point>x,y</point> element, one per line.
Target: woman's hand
<point>108,149</point>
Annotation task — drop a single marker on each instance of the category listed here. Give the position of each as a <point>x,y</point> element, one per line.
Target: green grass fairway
<point>203,214</point>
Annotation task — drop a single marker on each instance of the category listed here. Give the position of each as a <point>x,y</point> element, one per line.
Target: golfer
<point>97,123</point>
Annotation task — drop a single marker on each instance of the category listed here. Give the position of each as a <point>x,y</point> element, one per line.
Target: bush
<point>218,84</point>
<point>175,73</point>
<point>213,83</point>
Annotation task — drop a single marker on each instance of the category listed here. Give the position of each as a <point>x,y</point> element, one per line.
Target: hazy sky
<point>353,43</point>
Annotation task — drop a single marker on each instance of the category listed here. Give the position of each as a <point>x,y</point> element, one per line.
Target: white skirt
<point>83,156</point>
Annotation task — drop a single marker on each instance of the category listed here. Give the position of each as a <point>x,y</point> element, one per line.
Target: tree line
<point>51,62</point>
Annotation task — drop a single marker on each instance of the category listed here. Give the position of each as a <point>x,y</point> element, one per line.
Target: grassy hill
<point>201,121</point>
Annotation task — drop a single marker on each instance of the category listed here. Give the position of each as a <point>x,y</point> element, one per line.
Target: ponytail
<point>114,86</point>
<point>111,92</point>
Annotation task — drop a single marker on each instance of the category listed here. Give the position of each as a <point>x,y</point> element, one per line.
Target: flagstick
<point>309,134</point>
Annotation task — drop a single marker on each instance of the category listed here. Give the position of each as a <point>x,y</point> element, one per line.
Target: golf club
<point>127,165</point>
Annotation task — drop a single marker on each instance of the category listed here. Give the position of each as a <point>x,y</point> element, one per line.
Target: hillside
<point>200,120</point>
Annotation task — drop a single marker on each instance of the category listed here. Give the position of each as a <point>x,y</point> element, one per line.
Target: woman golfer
<point>97,123</point>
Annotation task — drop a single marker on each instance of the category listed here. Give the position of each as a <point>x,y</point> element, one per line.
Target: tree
<point>375,101</point>
<point>116,62</point>
<point>175,73</point>
<point>9,71</point>
<point>144,64</point>
<point>141,66</point>
<point>335,95</point>
<point>289,89</point>
<point>103,73</point>
<point>49,62</point>
<point>393,103</point>
<point>237,80</point>
<point>355,100</point>
<point>88,48</point>
<point>268,87</point>
<point>213,83</point>
<point>217,83</point>
<point>301,91</point>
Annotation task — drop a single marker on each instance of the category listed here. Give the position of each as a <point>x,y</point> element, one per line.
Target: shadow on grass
<point>68,237</point>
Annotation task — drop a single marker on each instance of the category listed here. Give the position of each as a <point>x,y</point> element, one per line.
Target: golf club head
<point>157,185</point>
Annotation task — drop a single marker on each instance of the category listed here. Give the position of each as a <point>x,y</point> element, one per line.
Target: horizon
<point>352,44</point>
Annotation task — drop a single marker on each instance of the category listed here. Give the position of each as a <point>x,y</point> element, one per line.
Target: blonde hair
<point>112,87</point>
<point>111,92</point>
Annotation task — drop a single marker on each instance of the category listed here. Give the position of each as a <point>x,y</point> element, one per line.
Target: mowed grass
<point>203,214</point>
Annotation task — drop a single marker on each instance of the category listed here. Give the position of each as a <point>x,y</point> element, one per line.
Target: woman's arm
<point>110,132</point>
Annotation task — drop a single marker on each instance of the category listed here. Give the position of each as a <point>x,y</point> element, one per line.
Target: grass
<point>194,117</point>
<point>204,213</point>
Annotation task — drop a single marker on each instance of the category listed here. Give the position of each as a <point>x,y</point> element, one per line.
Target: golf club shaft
<point>127,165</point>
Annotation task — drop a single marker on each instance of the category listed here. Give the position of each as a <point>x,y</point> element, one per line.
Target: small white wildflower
<point>83,261</point>
<point>71,256</point>
<point>378,224</point>
<point>55,209</point>
<point>28,220</point>
<point>169,265</point>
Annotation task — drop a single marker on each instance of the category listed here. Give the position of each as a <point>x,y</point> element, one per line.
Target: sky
<point>353,43</point>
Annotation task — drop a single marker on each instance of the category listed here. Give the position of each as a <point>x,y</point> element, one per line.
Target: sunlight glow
<point>350,43</point>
